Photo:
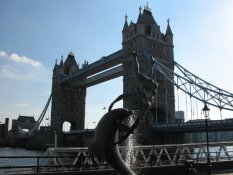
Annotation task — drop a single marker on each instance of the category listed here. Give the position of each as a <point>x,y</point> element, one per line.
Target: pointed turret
<point>69,63</point>
<point>61,62</point>
<point>169,34</point>
<point>125,28</point>
<point>169,31</point>
<point>55,66</point>
<point>140,12</point>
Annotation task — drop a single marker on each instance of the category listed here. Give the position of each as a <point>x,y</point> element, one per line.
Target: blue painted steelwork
<point>197,87</point>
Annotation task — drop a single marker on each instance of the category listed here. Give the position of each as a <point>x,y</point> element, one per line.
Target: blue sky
<point>33,34</point>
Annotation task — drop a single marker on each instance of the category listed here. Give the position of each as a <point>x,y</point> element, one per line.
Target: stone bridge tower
<point>68,99</point>
<point>145,35</point>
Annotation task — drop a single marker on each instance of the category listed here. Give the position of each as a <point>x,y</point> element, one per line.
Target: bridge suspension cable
<point>197,87</point>
<point>23,134</point>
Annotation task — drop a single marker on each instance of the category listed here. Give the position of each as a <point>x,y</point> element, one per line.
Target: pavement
<point>223,172</point>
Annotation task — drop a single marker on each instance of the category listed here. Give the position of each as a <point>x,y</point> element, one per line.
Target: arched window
<point>66,126</point>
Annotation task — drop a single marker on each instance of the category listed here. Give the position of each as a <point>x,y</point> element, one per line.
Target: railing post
<point>216,156</point>
<point>38,164</point>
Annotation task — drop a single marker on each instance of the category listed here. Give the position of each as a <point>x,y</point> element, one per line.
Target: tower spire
<point>147,7</point>
<point>126,23</point>
<point>168,31</point>
<point>140,10</point>
<point>126,17</point>
<point>61,62</point>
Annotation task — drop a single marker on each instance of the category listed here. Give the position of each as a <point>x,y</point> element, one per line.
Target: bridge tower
<point>145,35</point>
<point>68,98</point>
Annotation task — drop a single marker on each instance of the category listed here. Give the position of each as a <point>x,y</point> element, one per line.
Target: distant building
<point>24,122</point>
<point>21,123</point>
<point>4,132</point>
<point>179,116</point>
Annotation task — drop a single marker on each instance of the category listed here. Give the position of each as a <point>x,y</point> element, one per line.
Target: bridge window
<point>66,126</point>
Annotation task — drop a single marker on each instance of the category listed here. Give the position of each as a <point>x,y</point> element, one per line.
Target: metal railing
<point>78,159</point>
<point>99,165</point>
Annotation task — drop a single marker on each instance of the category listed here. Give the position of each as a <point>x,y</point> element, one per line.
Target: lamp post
<point>55,138</point>
<point>206,111</point>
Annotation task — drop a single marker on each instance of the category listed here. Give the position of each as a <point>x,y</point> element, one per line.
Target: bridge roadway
<point>106,62</point>
<point>194,126</point>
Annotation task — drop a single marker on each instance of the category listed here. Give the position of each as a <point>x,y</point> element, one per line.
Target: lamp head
<point>206,111</point>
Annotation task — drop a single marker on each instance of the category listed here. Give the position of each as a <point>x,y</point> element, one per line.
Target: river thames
<point>7,151</point>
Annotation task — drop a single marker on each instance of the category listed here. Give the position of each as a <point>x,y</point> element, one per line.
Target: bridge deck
<point>213,126</point>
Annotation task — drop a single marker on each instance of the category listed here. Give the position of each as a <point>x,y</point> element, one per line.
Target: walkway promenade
<point>223,173</point>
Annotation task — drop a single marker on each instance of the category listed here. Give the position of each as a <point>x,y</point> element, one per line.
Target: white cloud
<point>3,54</point>
<point>24,59</point>
<point>6,72</point>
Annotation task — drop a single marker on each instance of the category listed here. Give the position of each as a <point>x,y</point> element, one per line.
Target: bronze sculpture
<point>106,133</point>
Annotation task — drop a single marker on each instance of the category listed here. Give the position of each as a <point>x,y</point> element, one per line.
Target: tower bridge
<point>70,83</point>
<point>159,132</point>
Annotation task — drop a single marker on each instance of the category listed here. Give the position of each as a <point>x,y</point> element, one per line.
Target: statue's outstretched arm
<point>118,99</point>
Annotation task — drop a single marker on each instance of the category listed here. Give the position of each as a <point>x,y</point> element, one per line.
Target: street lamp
<point>206,112</point>
<point>55,138</point>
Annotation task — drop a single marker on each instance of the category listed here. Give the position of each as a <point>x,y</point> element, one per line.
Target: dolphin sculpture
<point>106,140</point>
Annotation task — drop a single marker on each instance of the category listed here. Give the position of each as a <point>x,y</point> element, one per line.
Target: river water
<point>6,151</point>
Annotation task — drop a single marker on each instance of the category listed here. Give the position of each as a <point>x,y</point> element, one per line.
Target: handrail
<point>178,161</point>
